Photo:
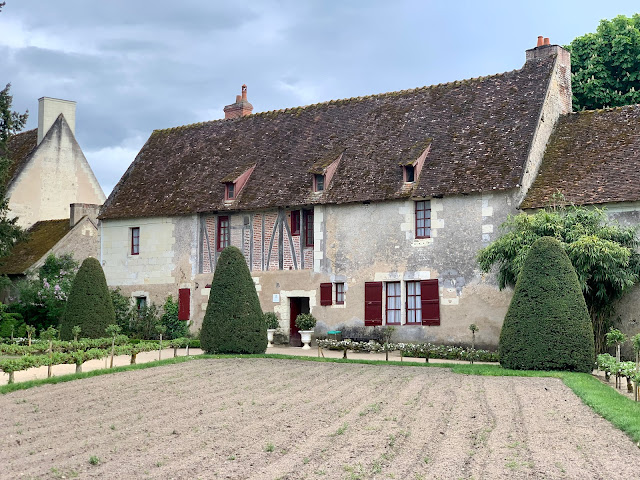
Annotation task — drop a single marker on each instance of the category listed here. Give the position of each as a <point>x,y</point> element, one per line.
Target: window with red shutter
<point>325,294</point>
<point>223,233</point>
<point>339,293</point>
<point>373,303</point>
<point>430,302</point>
<point>307,217</point>
<point>184,300</point>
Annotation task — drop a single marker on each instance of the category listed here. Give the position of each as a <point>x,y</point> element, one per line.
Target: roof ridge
<point>608,109</point>
<point>340,101</point>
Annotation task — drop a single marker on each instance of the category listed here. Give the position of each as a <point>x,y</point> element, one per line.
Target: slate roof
<point>41,237</point>
<point>479,132</point>
<point>592,157</point>
<point>20,146</point>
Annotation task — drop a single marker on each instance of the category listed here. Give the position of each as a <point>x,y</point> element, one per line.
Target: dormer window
<point>318,183</point>
<point>230,191</point>
<point>409,173</point>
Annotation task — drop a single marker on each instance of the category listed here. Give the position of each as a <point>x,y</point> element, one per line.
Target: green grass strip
<point>622,412</point>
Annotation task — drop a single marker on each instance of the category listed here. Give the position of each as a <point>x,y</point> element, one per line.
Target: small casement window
<point>325,293</point>
<point>423,219</point>
<point>318,183</point>
<point>414,303</point>
<point>339,293</point>
<point>135,240</point>
<point>295,222</point>
<point>307,217</point>
<point>409,173</point>
<point>230,191</point>
<point>141,303</point>
<point>223,232</point>
<point>394,303</point>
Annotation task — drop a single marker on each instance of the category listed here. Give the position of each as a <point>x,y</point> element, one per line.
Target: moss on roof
<point>479,132</point>
<point>41,237</point>
<point>20,146</point>
<point>593,157</point>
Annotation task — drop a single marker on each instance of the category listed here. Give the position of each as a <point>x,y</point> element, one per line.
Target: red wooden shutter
<point>184,298</point>
<point>430,300</point>
<point>373,303</point>
<point>325,294</point>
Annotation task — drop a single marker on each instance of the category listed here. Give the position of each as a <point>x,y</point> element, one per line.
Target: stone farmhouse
<point>52,190</point>
<point>364,211</point>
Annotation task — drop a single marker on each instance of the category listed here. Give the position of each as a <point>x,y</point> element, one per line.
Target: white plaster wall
<point>156,262</point>
<point>56,175</point>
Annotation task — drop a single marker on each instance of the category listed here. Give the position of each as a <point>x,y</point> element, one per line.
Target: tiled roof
<point>20,146</point>
<point>41,237</point>
<point>479,132</point>
<point>593,157</point>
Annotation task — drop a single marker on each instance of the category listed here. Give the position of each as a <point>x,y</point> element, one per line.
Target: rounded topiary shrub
<point>547,326</point>
<point>233,322</point>
<point>89,304</point>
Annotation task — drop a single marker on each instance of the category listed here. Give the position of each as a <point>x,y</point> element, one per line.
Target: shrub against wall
<point>233,321</point>
<point>89,304</point>
<point>547,326</point>
<point>175,328</point>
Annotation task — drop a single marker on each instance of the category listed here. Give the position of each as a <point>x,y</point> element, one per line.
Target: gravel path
<point>289,419</point>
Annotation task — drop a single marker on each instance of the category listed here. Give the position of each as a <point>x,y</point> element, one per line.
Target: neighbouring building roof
<point>41,238</point>
<point>479,132</point>
<point>20,146</point>
<point>593,157</point>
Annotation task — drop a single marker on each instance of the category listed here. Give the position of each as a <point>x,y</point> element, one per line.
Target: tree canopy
<point>605,65</point>
<point>603,255</point>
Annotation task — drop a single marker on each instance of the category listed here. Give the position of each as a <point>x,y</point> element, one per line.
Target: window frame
<point>318,182</point>
<point>307,217</point>
<point>387,308</point>
<point>229,191</point>
<point>409,173</point>
<point>135,240</point>
<point>295,223</point>
<point>224,232</point>
<point>340,293</point>
<point>417,299</point>
<point>423,231</point>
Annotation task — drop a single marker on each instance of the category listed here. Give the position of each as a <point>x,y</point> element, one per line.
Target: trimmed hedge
<point>89,304</point>
<point>547,326</point>
<point>233,322</point>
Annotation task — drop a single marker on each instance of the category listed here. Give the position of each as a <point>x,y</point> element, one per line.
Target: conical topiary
<point>547,326</point>
<point>233,321</point>
<point>89,304</point>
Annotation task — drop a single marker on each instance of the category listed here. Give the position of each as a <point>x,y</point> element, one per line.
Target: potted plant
<point>272,323</point>
<point>306,323</point>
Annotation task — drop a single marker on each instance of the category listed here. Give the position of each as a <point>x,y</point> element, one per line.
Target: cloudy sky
<point>134,66</point>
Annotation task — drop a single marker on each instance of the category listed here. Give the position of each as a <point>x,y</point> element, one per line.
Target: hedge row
<point>419,350</point>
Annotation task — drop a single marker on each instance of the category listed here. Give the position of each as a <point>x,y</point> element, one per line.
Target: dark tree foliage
<point>233,321</point>
<point>10,123</point>
<point>547,326</point>
<point>605,65</point>
<point>89,304</point>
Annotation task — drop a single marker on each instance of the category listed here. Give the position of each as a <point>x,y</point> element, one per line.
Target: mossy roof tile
<point>593,157</point>
<point>20,146</point>
<point>480,131</point>
<point>41,237</point>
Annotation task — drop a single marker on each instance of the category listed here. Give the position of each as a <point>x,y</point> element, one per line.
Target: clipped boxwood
<point>233,322</point>
<point>306,322</point>
<point>547,326</point>
<point>271,321</point>
<point>89,304</point>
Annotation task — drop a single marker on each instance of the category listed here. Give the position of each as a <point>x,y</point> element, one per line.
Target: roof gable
<point>592,157</point>
<point>479,132</point>
<point>20,147</point>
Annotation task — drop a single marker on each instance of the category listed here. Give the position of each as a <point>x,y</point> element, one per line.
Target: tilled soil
<point>288,419</point>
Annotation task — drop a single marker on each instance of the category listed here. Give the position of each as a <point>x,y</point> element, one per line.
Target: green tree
<point>10,123</point>
<point>175,328</point>
<point>89,304</point>
<point>547,326</point>
<point>605,65</point>
<point>233,321</point>
<point>604,255</point>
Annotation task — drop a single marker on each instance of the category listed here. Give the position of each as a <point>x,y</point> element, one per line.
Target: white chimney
<point>48,111</point>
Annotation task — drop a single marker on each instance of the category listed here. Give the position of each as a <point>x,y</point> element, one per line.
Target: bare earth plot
<point>269,419</point>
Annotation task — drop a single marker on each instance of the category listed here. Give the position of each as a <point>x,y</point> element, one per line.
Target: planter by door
<point>297,305</point>
<point>305,337</point>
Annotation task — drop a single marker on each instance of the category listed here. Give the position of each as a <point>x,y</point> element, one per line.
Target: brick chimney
<point>48,111</point>
<point>241,108</point>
